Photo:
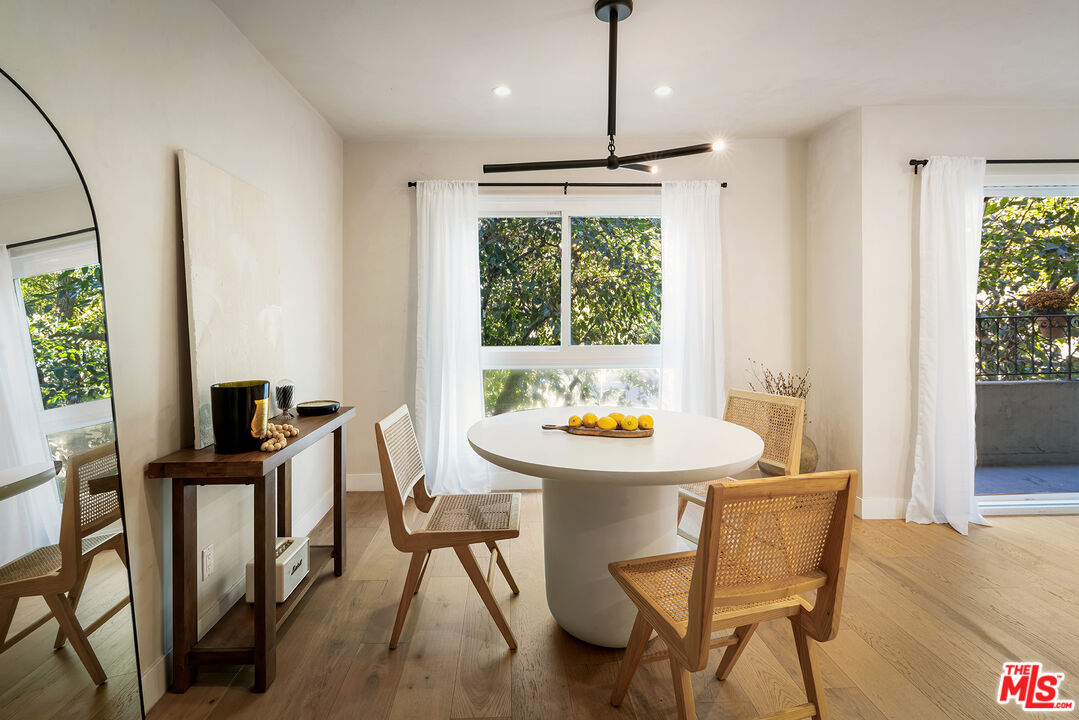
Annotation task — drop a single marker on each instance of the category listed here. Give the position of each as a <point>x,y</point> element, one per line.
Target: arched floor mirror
<point>67,633</point>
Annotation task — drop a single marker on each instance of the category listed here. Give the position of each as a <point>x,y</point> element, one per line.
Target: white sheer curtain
<point>31,519</point>
<point>449,382</point>
<point>691,376</point>
<point>949,241</point>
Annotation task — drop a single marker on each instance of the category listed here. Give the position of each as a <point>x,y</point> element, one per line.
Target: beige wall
<point>834,290</point>
<point>41,214</point>
<point>129,82</point>
<point>891,136</point>
<point>763,220</point>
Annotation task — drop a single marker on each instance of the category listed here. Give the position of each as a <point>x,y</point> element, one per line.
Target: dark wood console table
<point>245,635</point>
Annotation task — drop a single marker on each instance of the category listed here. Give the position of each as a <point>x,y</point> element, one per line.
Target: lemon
<point>645,422</point>
<point>617,416</point>
<point>574,421</point>
<point>607,423</point>
<point>589,420</point>
<point>629,423</point>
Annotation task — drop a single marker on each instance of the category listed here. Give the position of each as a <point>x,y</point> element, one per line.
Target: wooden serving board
<point>599,432</point>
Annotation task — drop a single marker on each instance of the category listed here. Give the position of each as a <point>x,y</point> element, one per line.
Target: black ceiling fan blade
<point>548,165</point>
<point>666,154</point>
<point>638,166</point>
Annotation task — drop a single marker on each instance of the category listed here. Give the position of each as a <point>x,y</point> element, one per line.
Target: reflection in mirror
<point>67,639</point>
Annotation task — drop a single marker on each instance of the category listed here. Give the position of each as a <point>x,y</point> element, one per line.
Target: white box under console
<point>292,564</point>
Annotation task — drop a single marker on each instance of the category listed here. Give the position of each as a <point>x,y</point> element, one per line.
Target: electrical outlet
<point>207,561</point>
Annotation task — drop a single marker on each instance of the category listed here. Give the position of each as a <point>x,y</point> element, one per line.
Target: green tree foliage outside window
<point>66,315</point>
<point>1028,244</point>
<point>616,282</point>
<point>521,280</point>
<point>510,390</point>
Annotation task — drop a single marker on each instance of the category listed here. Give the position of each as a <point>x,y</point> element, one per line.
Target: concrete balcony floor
<point>1026,479</point>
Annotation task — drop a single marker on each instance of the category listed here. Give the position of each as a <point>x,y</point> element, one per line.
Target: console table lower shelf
<point>231,641</point>
<point>247,633</point>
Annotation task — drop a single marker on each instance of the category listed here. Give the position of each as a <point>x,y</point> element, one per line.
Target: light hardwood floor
<point>928,618</point>
<point>39,683</point>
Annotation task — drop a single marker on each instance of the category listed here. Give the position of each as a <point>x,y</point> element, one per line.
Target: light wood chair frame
<point>410,476</point>
<point>790,461</point>
<point>86,528</point>
<point>62,586</point>
<point>688,642</point>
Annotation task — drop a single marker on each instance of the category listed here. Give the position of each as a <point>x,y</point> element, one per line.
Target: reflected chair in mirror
<point>764,544</point>
<point>95,476</point>
<point>58,572</point>
<point>778,419</point>
<point>452,521</point>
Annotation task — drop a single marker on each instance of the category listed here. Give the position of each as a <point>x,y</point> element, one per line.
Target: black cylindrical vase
<point>240,412</point>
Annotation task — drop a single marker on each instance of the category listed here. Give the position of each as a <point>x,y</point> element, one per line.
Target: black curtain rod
<point>566,185</point>
<point>1050,161</point>
<point>35,241</point>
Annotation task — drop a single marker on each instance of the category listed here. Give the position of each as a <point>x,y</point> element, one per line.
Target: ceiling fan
<point>613,12</point>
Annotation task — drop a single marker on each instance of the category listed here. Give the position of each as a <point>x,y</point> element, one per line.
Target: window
<point>58,284</point>
<point>570,301</point>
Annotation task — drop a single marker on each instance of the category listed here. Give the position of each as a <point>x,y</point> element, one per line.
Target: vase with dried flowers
<point>1050,305</point>
<point>789,384</point>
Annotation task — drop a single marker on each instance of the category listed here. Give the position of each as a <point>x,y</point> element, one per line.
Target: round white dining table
<point>609,499</point>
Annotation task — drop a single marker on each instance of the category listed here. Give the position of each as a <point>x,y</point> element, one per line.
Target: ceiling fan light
<point>718,145</point>
<point>653,170</point>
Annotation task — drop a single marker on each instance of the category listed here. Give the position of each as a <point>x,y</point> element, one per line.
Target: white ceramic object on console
<point>608,499</point>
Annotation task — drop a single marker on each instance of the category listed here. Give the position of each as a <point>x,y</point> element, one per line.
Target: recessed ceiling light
<point>718,145</point>
<point>501,91</point>
<point>662,90</point>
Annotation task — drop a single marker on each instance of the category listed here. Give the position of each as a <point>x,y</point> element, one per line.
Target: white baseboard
<point>155,682</point>
<point>881,508</point>
<point>363,482</point>
<point>304,524</point>
<point>222,605</point>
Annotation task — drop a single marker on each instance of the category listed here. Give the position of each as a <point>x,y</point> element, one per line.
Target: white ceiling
<point>31,157</point>
<point>748,68</point>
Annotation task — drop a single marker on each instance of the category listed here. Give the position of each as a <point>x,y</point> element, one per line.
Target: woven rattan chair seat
<point>45,560</point>
<point>699,490</point>
<point>665,583</point>
<point>471,513</point>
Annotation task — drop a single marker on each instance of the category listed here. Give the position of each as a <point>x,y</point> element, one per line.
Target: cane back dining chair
<point>58,572</point>
<point>778,419</point>
<point>763,545</point>
<point>452,521</point>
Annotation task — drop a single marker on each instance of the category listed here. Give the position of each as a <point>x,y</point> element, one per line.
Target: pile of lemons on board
<point>613,421</point>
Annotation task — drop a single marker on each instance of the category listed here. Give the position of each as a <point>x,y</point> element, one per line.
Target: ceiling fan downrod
<point>612,12</point>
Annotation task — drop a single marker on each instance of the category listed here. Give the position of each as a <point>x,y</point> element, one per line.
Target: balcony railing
<point>1027,347</point>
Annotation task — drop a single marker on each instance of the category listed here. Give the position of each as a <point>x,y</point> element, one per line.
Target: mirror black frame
<point>108,360</point>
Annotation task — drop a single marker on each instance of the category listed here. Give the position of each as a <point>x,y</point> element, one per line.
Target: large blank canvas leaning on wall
<point>233,282</point>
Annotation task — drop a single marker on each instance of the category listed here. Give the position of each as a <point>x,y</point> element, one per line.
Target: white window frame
<point>567,355</point>
<point>40,259</point>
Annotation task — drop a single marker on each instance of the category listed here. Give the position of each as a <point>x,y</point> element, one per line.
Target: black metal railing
<point>1027,347</point>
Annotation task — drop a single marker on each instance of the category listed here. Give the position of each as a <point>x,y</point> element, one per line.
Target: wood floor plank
<point>483,684</point>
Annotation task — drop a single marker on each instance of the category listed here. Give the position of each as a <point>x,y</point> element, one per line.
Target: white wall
<point>891,136</point>
<point>763,221</point>
<point>834,291</point>
<point>41,214</point>
<point>128,83</point>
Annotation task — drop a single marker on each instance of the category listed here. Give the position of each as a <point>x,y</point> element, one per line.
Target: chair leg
<point>61,609</point>
<point>682,504</point>
<point>504,567</point>
<point>683,691</point>
<point>411,582</point>
<point>7,614</point>
<point>464,553</point>
<point>730,657</point>
<point>73,596</point>
<point>638,639</point>
<point>423,572</point>
<point>807,660</point>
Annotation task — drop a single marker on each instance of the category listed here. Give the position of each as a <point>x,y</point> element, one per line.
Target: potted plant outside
<point>1050,307</point>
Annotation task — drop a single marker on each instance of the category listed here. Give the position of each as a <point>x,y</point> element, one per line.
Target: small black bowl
<point>318,407</point>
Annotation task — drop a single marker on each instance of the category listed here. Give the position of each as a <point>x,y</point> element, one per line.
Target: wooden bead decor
<point>276,436</point>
